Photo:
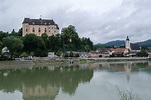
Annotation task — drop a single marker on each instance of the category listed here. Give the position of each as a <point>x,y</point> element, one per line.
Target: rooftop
<point>40,22</point>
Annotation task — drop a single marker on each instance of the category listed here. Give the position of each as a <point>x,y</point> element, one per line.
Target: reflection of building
<point>128,70</point>
<point>39,26</point>
<point>39,91</point>
<point>40,83</point>
<point>149,63</point>
<point>116,67</point>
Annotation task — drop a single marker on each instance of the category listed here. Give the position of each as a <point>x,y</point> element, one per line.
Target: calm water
<point>97,81</point>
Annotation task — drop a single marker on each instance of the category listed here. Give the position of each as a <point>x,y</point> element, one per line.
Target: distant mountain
<point>115,43</point>
<point>145,43</point>
<point>122,43</point>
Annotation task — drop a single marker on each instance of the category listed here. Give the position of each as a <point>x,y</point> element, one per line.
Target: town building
<point>83,54</point>
<point>119,52</point>
<point>130,49</point>
<point>39,26</point>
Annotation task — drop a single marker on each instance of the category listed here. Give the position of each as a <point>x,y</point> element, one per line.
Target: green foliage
<point>45,38</point>
<point>2,35</point>
<point>16,34</point>
<point>71,54</point>
<point>24,54</point>
<point>36,44</point>
<point>54,43</point>
<point>20,32</point>
<point>14,44</point>
<point>32,54</point>
<point>87,48</point>
<point>142,53</point>
<point>72,42</point>
<point>1,45</point>
<point>68,40</point>
<point>59,53</point>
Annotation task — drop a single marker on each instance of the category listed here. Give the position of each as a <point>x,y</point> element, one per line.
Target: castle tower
<point>127,43</point>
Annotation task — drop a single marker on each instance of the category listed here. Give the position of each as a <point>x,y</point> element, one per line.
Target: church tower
<point>127,43</point>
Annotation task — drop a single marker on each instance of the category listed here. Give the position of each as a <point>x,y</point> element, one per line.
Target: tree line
<point>30,44</point>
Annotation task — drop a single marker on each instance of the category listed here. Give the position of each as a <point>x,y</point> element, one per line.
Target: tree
<point>87,48</point>
<point>24,54</point>
<point>36,44</point>
<point>45,38</point>
<point>2,35</point>
<point>70,38</point>
<point>142,53</point>
<point>20,32</point>
<point>1,45</point>
<point>13,44</point>
<point>54,43</point>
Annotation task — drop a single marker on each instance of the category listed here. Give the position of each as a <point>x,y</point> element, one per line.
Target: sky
<point>99,20</point>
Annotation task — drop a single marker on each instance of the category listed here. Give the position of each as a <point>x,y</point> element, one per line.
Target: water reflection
<point>53,82</point>
<point>43,83</point>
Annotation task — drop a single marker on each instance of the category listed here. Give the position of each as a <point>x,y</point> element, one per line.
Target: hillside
<point>122,43</point>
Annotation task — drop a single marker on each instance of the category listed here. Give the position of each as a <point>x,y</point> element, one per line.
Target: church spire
<point>127,38</point>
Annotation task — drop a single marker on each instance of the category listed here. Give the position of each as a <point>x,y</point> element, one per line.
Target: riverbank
<point>30,63</point>
<point>60,62</point>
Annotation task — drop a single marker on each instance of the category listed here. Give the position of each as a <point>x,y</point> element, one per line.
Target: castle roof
<point>40,22</point>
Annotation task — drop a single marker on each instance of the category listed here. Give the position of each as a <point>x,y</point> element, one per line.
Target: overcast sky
<point>100,20</point>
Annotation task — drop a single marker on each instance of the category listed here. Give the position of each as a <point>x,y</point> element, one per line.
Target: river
<point>93,81</point>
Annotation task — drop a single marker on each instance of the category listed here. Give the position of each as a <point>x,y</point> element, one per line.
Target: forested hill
<point>119,43</point>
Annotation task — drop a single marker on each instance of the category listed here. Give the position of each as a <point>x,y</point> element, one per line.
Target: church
<point>132,48</point>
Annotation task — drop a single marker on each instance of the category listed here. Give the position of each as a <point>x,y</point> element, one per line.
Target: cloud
<point>100,20</point>
<point>132,18</point>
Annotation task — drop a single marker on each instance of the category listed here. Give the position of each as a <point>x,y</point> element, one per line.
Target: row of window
<point>39,30</point>
<point>49,27</point>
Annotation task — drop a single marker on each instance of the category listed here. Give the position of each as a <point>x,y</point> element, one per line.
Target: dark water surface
<point>96,81</point>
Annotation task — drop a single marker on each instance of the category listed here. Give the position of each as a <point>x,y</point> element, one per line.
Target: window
<point>45,30</point>
<point>39,30</point>
<point>26,30</point>
<point>33,30</point>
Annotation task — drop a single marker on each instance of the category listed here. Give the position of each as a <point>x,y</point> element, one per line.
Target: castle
<point>39,26</point>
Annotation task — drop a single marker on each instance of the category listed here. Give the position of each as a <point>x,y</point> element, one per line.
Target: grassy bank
<point>29,63</point>
<point>114,59</point>
<point>42,62</point>
<point>15,64</point>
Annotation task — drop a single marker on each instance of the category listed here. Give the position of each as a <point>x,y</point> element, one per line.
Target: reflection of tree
<point>70,80</point>
<point>41,82</point>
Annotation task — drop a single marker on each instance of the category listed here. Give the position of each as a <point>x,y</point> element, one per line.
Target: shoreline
<point>43,63</point>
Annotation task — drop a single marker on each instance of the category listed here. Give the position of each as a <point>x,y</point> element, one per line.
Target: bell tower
<point>127,43</point>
